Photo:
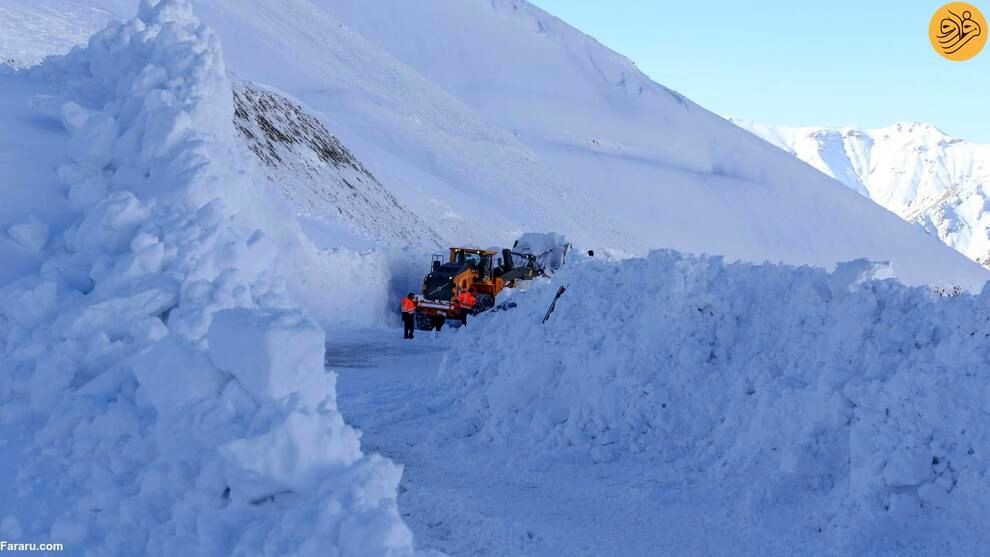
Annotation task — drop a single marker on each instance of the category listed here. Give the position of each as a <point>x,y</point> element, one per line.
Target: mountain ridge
<point>913,169</point>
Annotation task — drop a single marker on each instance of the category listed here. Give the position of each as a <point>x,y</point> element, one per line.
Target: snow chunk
<point>31,304</point>
<point>172,374</point>
<point>93,136</point>
<point>273,353</point>
<point>294,455</point>
<point>111,224</point>
<point>908,468</point>
<point>31,235</point>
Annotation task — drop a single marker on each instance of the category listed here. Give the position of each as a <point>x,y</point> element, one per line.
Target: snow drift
<point>161,386</point>
<point>864,392</point>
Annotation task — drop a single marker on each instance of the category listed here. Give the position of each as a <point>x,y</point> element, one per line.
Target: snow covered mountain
<point>599,122</point>
<point>913,169</point>
<point>487,119</point>
<point>319,177</point>
<point>333,193</point>
<point>202,224</point>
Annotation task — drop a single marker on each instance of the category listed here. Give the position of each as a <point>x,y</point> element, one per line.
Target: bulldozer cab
<point>477,259</point>
<point>464,269</point>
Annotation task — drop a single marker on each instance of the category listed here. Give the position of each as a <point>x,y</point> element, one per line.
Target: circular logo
<point>958,31</point>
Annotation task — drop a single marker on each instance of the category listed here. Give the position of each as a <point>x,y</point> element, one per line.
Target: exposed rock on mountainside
<point>316,173</point>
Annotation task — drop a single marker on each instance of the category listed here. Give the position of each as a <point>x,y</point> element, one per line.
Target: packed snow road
<point>465,497</point>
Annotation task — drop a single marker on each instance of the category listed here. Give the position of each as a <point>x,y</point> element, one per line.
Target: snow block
<point>273,353</point>
<point>120,315</point>
<point>31,235</point>
<point>110,226</point>
<point>93,135</point>
<point>293,455</point>
<point>172,374</point>
<point>31,304</point>
<point>907,468</point>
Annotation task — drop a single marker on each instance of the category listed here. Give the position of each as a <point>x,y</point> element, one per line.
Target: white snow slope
<point>490,118</point>
<point>669,173</point>
<point>162,388</point>
<point>33,29</point>
<point>913,169</point>
<point>326,186</point>
<point>848,416</point>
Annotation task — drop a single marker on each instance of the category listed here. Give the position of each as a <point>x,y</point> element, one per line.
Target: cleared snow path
<point>469,498</point>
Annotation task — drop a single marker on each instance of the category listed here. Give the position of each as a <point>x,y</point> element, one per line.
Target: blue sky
<point>831,63</point>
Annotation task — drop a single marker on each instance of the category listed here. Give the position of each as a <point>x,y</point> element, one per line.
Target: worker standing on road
<point>408,316</point>
<point>466,301</point>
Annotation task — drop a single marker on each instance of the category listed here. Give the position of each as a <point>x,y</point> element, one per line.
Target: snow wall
<point>163,388</point>
<point>871,394</point>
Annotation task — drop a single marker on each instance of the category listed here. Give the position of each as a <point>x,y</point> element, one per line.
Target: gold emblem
<point>958,31</point>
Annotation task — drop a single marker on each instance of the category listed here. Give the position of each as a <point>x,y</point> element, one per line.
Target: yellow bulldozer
<point>486,272</point>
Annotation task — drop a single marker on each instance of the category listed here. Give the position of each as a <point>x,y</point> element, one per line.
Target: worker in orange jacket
<point>466,301</point>
<point>408,316</point>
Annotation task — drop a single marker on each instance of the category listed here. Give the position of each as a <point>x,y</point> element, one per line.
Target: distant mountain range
<point>913,169</point>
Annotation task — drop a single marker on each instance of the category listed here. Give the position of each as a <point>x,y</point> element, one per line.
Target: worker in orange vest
<point>408,316</point>
<point>466,301</point>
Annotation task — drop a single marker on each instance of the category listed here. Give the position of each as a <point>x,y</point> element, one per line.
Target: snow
<point>272,353</point>
<point>141,418</point>
<point>862,394</point>
<point>497,108</point>
<point>444,162</point>
<point>550,248</point>
<point>459,109</point>
<point>320,177</point>
<point>913,169</point>
<point>29,149</point>
<point>175,246</point>
<point>172,375</point>
<point>31,235</point>
<point>664,172</point>
<point>33,29</point>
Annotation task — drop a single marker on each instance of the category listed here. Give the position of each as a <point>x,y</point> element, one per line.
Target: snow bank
<point>170,391</point>
<point>866,392</point>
